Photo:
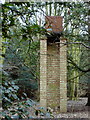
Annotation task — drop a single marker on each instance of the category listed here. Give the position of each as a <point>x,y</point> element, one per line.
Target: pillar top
<point>51,39</point>
<point>43,37</point>
<point>54,24</point>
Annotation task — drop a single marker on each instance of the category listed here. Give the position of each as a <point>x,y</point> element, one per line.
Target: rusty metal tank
<point>54,24</point>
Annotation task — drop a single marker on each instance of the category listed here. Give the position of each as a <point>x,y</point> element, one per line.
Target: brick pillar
<point>43,72</point>
<point>63,76</point>
<point>53,76</point>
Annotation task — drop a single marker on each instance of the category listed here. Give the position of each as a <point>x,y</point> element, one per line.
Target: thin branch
<point>80,69</point>
<point>74,43</point>
<point>79,43</point>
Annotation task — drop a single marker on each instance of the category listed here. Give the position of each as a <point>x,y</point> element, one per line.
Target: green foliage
<point>27,73</point>
<point>13,108</point>
<point>9,93</point>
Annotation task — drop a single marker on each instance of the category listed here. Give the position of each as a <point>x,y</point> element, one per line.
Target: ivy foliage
<point>13,108</point>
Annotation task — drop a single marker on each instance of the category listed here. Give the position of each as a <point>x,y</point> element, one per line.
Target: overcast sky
<point>2,1</point>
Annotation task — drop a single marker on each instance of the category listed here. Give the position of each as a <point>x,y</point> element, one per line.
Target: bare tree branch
<point>75,43</point>
<point>79,43</point>
<point>76,66</point>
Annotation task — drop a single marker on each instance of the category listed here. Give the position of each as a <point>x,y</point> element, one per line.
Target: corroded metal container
<point>54,24</point>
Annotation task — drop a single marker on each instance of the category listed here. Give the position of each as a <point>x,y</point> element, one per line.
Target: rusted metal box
<point>54,24</point>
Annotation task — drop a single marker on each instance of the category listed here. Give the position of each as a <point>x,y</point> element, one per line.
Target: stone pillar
<point>43,72</point>
<point>63,76</point>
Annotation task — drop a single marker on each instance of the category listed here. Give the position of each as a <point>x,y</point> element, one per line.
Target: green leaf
<point>11,89</point>
<point>30,103</point>
<point>6,83</point>
<point>15,87</point>
<point>7,117</point>
<point>48,115</point>
<point>14,96</point>
<point>12,83</point>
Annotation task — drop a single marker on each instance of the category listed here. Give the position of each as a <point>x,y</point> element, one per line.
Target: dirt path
<point>76,109</point>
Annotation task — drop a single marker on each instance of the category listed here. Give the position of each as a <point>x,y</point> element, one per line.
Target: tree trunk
<point>88,102</point>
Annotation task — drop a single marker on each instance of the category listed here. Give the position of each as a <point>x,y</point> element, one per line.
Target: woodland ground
<point>75,109</point>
